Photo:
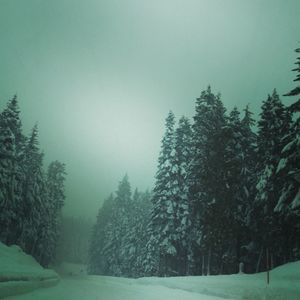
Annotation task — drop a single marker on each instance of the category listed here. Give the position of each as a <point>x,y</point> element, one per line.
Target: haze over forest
<point>99,77</point>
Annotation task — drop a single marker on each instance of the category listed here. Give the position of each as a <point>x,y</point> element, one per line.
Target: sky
<point>99,77</point>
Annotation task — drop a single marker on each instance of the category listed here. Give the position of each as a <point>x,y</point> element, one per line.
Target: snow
<point>296,201</point>
<point>281,165</point>
<point>284,284</point>
<point>21,273</point>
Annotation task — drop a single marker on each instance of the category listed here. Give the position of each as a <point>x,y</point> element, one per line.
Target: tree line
<point>224,194</point>
<point>31,198</point>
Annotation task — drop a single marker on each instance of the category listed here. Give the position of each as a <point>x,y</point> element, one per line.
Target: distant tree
<point>35,198</point>
<point>74,238</point>
<point>108,245</point>
<point>119,237</point>
<point>51,219</point>
<point>135,239</point>
<point>100,240</point>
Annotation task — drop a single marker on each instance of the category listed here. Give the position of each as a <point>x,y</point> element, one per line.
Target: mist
<point>99,77</point>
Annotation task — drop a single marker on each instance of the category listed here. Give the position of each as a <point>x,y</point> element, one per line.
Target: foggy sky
<point>99,77</point>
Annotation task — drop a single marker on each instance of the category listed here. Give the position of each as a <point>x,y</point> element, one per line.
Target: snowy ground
<point>18,269</point>
<point>285,285</point>
<point>20,273</point>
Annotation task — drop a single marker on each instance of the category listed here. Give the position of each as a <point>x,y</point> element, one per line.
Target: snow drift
<point>20,273</point>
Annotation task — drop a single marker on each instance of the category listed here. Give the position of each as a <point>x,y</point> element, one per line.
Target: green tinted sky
<point>100,76</point>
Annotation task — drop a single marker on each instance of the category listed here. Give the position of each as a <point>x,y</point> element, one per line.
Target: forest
<point>31,198</point>
<point>226,193</point>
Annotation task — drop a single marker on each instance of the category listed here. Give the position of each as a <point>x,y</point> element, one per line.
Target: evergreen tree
<point>162,230</point>
<point>51,219</point>
<point>206,184</point>
<point>180,162</point>
<point>35,197</point>
<point>288,204</point>
<point>12,142</point>
<point>108,246</point>
<point>248,180</point>
<point>100,242</point>
<point>239,148</point>
<point>27,214</point>
<point>273,125</point>
<point>136,234</point>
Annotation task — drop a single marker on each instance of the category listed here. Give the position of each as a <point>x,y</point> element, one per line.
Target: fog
<point>99,77</point>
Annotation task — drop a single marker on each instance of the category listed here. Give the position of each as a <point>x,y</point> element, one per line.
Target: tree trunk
<point>208,262</point>
<point>259,260</point>
<point>203,265</point>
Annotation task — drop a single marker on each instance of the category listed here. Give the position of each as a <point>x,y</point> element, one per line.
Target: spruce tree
<point>98,261</point>
<point>161,246</point>
<point>12,144</point>
<point>35,197</point>
<point>205,179</point>
<point>288,204</point>
<point>180,163</point>
<point>273,125</point>
<point>238,172</point>
<point>51,209</point>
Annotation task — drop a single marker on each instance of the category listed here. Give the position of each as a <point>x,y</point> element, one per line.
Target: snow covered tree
<point>136,237</point>
<point>180,164</point>
<point>288,204</point>
<point>51,219</point>
<point>109,236</point>
<point>238,174</point>
<point>12,142</point>
<point>162,229</point>
<point>205,180</point>
<point>35,198</point>
<point>100,240</point>
<point>273,125</point>
<point>118,242</point>
<point>7,205</point>
<point>27,214</point>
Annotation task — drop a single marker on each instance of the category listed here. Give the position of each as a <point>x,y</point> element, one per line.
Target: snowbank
<point>284,284</point>
<point>21,273</point>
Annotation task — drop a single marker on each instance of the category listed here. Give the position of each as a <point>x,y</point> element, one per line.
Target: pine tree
<point>273,125</point>
<point>238,175</point>
<point>180,163</point>
<point>12,142</point>
<point>248,180</point>
<point>288,204</point>
<point>205,180</point>
<point>161,248</point>
<point>35,197</point>
<point>51,219</point>
<point>134,250</point>
<point>8,207</point>
<point>100,242</point>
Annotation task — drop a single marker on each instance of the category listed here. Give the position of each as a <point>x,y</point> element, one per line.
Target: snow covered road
<point>110,288</point>
<point>20,273</point>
